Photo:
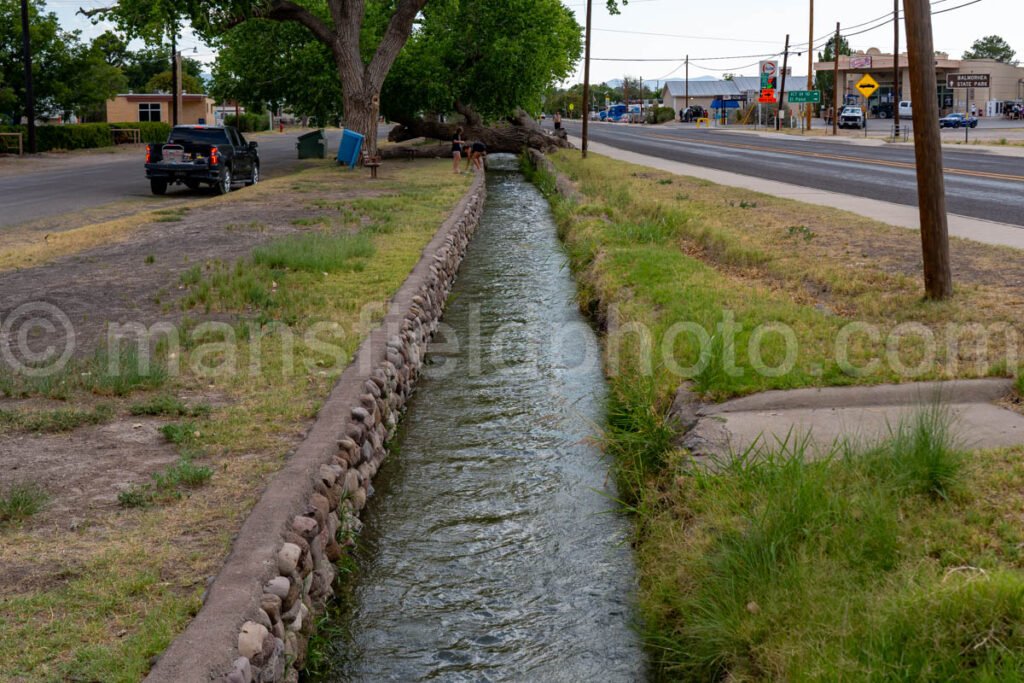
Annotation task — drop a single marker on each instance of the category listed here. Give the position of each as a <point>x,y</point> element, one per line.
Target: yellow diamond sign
<point>867,86</point>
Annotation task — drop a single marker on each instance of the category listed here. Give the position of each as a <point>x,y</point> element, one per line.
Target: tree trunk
<point>512,136</point>
<point>361,117</point>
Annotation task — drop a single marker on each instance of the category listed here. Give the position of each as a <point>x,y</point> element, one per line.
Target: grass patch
<point>19,502</point>
<point>317,253</point>
<point>50,421</point>
<point>860,566</point>
<point>171,406</point>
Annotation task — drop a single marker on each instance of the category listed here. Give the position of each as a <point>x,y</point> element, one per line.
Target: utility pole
<point>810,63</point>
<point>782,92</point>
<point>687,81</point>
<point>896,69</point>
<point>174,78</point>
<point>931,191</point>
<point>835,83</point>
<point>30,101</point>
<point>586,83</point>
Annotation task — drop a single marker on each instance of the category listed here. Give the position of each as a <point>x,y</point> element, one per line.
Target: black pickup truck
<point>202,155</point>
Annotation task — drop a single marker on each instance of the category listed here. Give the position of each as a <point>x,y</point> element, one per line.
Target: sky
<point>719,36</point>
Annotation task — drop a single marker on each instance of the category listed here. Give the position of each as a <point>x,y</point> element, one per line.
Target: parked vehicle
<point>851,117</point>
<point>956,120</point>
<point>616,112</point>
<point>202,155</point>
<point>906,111</point>
<point>883,110</point>
<point>692,113</point>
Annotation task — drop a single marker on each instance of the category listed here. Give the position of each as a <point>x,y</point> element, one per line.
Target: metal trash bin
<point>312,145</point>
<point>349,148</point>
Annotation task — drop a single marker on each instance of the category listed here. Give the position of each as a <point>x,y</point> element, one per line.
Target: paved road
<point>978,184</point>
<point>93,180</point>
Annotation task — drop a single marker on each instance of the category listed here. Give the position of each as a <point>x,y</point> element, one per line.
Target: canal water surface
<point>492,550</point>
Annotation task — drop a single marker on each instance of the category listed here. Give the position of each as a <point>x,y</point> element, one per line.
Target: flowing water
<point>492,550</point>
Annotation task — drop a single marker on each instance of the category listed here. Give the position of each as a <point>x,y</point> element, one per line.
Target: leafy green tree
<point>824,80</point>
<point>163,82</point>
<point>483,59</point>
<point>990,47</point>
<point>364,37</point>
<point>260,62</point>
<point>68,76</point>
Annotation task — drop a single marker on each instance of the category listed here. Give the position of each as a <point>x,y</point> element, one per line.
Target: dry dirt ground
<point>134,279</point>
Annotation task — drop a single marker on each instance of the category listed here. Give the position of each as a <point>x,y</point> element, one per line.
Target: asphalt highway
<point>978,184</point>
<point>90,180</point>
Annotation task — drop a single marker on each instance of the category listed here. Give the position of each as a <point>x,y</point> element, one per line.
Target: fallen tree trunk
<point>512,136</point>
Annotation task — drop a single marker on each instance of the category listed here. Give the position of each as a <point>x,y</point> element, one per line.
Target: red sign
<point>767,96</point>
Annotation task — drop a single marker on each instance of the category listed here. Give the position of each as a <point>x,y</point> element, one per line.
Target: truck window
<point>183,135</point>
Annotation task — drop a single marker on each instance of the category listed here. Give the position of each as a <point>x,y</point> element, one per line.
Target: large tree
<point>990,47</point>
<point>68,75</point>
<point>364,37</point>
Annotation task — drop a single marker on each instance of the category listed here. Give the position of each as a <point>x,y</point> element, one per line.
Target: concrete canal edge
<point>261,609</point>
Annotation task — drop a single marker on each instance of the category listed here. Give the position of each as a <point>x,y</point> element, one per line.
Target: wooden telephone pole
<point>782,92</point>
<point>810,64</point>
<point>896,69</point>
<point>835,83</point>
<point>586,85</point>
<point>30,102</point>
<point>931,190</point>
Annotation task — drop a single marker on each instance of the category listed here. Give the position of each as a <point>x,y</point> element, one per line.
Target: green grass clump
<point>170,406</point>
<point>123,372</point>
<point>61,420</point>
<point>316,252</point>
<point>184,434</point>
<point>20,502</point>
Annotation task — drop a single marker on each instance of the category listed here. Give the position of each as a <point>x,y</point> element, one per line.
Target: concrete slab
<point>823,418</point>
<point>900,215</point>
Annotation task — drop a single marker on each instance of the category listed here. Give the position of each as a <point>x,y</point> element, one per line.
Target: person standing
<point>477,153</point>
<point>558,120</point>
<point>457,143</point>
<point>974,109</point>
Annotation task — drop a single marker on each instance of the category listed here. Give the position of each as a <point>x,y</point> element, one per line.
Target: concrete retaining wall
<point>261,609</point>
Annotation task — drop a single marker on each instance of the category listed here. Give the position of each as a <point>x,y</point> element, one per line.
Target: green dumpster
<point>312,145</point>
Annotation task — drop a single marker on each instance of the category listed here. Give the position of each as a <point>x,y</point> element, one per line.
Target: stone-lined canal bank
<point>492,549</point>
<point>261,610</point>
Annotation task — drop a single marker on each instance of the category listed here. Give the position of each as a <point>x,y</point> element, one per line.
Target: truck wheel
<point>224,185</point>
<point>883,114</point>
<point>159,187</point>
<point>192,184</point>
<point>255,176</point>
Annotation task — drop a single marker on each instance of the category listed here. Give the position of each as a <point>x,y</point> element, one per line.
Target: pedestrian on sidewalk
<point>457,144</point>
<point>558,120</point>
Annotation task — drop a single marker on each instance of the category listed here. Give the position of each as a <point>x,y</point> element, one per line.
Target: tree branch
<point>89,13</point>
<point>397,33</point>
<point>285,10</point>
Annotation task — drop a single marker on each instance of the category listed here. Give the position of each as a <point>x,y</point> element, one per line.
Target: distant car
<point>851,117</point>
<point>958,121</point>
<point>906,110</point>
<point>882,111</point>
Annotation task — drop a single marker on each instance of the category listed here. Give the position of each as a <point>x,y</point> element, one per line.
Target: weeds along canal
<point>492,549</point>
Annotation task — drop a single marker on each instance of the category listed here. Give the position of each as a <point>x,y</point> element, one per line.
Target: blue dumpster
<point>349,148</point>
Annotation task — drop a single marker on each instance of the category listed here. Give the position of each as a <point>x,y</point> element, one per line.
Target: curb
<point>261,609</point>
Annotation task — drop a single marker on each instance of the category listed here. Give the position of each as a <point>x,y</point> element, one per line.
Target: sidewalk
<point>900,215</point>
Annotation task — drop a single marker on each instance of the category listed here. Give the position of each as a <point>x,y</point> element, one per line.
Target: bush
<point>152,131</point>
<point>248,123</point>
<point>87,135</point>
<point>660,115</point>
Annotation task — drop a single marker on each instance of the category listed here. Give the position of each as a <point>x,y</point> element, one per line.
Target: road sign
<point>867,86</point>
<point>968,80</point>
<point>571,106</point>
<point>767,96</point>
<point>769,74</point>
<point>804,96</point>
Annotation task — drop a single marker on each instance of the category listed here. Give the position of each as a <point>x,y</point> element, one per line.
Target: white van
<point>906,111</point>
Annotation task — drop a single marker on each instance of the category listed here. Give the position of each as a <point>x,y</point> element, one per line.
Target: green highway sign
<point>804,96</point>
